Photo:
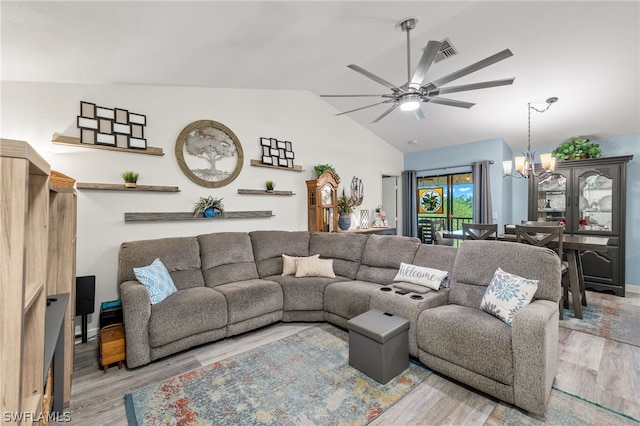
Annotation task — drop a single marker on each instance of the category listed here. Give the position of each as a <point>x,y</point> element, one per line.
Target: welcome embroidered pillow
<point>506,294</point>
<point>420,275</point>
<point>157,280</point>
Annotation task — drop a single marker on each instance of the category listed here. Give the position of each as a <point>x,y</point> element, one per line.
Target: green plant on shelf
<point>209,207</point>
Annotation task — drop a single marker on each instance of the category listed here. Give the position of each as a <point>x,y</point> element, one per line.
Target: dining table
<point>572,245</point>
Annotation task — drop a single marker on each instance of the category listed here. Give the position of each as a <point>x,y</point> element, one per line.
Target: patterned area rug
<point>563,409</point>
<point>301,379</point>
<point>619,321</point>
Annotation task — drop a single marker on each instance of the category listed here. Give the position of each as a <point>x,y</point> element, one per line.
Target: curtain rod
<point>449,167</point>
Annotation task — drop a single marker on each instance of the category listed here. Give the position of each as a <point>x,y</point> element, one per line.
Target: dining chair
<point>545,234</point>
<point>480,231</point>
<point>437,227</point>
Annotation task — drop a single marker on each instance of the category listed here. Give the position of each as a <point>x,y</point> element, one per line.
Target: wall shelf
<point>71,141</point>
<point>257,163</point>
<point>121,187</point>
<point>169,216</point>
<point>263,192</point>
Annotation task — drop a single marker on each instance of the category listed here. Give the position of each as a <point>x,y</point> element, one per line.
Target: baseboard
<point>630,288</point>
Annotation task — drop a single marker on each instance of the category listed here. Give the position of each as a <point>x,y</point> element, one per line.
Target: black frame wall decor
<point>111,126</point>
<point>205,143</point>
<point>277,153</point>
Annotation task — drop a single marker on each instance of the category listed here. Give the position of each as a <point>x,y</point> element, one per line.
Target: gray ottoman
<point>379,345</point>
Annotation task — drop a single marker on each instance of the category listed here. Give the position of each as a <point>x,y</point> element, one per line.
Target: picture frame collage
<point>111,126</point>
<point>277,153</point>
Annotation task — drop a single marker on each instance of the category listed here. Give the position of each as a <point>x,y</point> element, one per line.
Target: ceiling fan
<point>415,91</point>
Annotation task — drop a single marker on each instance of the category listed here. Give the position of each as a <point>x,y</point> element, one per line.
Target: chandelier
<point>524,165</point>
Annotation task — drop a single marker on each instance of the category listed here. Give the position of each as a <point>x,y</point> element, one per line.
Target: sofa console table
<point>378,231</point>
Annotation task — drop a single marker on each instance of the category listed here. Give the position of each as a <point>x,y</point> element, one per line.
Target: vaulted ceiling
<point>586,53</point>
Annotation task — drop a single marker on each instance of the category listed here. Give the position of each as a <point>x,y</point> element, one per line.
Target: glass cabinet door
<point>552,197</point>
<point>596,200</point>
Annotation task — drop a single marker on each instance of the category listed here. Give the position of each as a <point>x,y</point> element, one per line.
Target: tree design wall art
<point>209,153</point>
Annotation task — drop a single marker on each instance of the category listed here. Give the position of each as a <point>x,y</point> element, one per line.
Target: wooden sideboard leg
<point>105,368</point>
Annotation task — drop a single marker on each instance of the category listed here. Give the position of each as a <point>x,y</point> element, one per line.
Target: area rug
<point>301,379</point>
<point>563,409</point>
<point>619,321</point>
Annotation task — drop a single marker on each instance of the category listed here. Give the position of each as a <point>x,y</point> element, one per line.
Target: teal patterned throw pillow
<point>157,280</point>
<point>506,294</point>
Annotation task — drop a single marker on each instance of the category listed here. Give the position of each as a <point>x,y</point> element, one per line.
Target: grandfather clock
<point>322,203</point>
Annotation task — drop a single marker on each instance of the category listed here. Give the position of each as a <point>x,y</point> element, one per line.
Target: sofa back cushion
<point>477,261</point>
<point>382,257</point>
<point>345,249</point>
<point>181,256</point>
<point>269,246</point>
<point>226,257</point>
<point>436,257</point>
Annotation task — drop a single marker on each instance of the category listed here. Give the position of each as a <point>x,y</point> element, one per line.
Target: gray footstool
<point>379,345</point>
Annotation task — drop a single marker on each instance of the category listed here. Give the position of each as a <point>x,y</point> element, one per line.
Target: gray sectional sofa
<point>231,282</point>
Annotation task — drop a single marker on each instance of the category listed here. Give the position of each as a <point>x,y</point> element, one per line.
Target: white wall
<point>35,111</point>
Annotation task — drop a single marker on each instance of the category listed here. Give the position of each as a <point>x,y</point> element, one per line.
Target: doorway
<point>390,199</point>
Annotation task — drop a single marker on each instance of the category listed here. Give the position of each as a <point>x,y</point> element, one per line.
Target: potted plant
<point>577,149</point>
<point>270,185</point>
<point>345,206</point>
<point>130,178</point>
<point>321,168</point>
<point>208,207</point>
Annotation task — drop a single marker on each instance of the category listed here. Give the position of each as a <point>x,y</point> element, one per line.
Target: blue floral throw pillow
<point>506,294</point>
<point>157,280</point>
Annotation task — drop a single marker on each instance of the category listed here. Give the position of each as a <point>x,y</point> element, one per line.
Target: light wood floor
<point>598,369</point>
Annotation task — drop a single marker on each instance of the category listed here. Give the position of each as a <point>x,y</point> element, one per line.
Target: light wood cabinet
<point>322,203</point>
<point>61,267</point>
<point>24,210</point>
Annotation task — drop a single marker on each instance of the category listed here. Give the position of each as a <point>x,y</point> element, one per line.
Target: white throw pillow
<point>506,294</point>
<point>289,263</point>
<point>420,275</point>
<point>315,267</point>
<point>157,280</point>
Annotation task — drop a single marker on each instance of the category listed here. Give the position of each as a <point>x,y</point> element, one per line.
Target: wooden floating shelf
<point>161,216</point>
<point>257,163</point>
<point>121,187</point>
<point>263,192</point>
<point>71,141</point>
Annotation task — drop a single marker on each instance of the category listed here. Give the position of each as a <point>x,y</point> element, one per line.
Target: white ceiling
<point>587,53</point>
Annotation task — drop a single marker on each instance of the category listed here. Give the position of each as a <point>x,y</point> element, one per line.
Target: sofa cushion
<point>436,256</point>
<point>314,267</point>
<point>186,313</point>
<point>348,299</point>
<point>345,250</point>
<point>382,257</point>
<point>180,255</point>
<point>477,261</point>
<point>290,263</point>
<point>251,298</point>
<point>506,294</point>
<point>469,338</point>
<point>268,247</point>
<point>226,257</point>
<point>303,294</point>
<point>157,280</point>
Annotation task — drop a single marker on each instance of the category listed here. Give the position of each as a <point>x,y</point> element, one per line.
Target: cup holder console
<point>401,292</point>
<point>385,288</point>
<point>416,297</point>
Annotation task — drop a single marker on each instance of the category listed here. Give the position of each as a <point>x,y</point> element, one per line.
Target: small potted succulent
<point>577,149</point>
<point>345,207</point>
<point>270,185</point>
<point>208,207</point>
<point>130,178</point>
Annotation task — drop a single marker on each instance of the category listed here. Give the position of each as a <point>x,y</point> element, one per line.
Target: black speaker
<point>85,295</point>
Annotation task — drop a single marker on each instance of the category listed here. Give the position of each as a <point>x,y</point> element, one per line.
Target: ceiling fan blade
<point>349,96</point>
<point>373,77</point>
<point>419,114</point>
<point>426,60</point>
<point>450,102</point>
<point>364,107</point>
<point>473,67</point>
<point>384,114</point>
<point>473,86</point>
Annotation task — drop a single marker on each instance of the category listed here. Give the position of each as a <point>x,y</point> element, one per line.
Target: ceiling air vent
<point>446,50</point>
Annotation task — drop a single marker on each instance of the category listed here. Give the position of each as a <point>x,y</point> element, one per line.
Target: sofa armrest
<point>136,309</point>
<point>535,354</point>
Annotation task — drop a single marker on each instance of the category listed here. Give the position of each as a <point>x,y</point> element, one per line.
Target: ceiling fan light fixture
<point>410,102</point>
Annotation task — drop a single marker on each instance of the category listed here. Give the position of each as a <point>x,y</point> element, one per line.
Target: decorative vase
<point>130,184</point>
<point>364,219</point>
<point>210,212</point>
<point>344,221</point>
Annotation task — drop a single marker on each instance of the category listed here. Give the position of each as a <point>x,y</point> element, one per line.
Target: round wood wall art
<point>209,153</point>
